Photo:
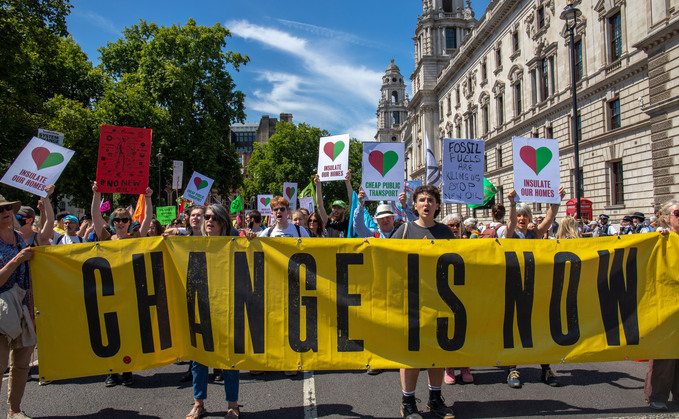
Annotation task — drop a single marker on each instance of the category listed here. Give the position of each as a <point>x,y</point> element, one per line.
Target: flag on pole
<point>489,192</point>
<point>308,191</point>
<point>237,204</point>
<point>140,210</point>
<point>433,171</point>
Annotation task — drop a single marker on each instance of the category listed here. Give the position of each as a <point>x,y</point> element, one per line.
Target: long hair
<point>568,229</point>
<point>665,209</point>
<point>221,215</point>
<point>319,224</point>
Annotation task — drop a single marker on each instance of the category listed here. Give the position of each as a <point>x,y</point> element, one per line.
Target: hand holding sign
<point>382,170</point>
<point>333,157</point>
<point>198,188</point>
<point>536,170</point>
<point>290,193</point>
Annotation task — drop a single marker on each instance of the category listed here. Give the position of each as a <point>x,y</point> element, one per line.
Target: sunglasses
<point>174,223</point>
<point>121,220</point>
<point>279,209</point>
<point>313,220</point>
<point>676,213</point>
<point>8,207</point>
<point>453,225</point>
<point>208,217</point>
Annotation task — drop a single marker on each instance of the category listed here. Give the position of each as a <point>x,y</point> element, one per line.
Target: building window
<point>458,130</point>
<point>617,192</point>
<point>450,104</point>
<point>470,125</point>
<point>517,98</point>
<point>540,17</point>
<point>447,6</point>
<point>393,138</point>
<point>484,71</point>
<point>485,126</point>
<point>500,196</point>
<point>578,126</point>
<point>533,87</point>
<point>485,162</point>
<point>395,118</point>
<point>457,95</point>
<point>500,110</point>
<point>578,60</point>
<point>614,114</point>
<point>394,97</point>
<point>451,38</point>
<point>549,132</point>
<point>615,25</point>
<point>544,80</point>
<point>515,41</point>
<point>498,156</point>
<point>498,57</point>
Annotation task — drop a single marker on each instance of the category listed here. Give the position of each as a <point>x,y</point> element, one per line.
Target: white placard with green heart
<point>536,170</point>
<point>383,165</point>
<point>38,165</point>
<point>290,193</point>
<point>333,157</point>
<point>198,188</point>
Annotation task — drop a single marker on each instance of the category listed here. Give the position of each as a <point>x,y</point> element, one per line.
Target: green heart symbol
<point>203,184</point>
<point>267,201</point>
<point>390,160</point>
<point>543,156</point>
<point>52,160</point>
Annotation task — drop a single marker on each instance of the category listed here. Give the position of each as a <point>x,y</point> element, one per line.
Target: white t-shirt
<point>66,239</point>
<point>289,231</point>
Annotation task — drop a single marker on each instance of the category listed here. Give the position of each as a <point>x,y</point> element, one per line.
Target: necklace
<point>11,242</point>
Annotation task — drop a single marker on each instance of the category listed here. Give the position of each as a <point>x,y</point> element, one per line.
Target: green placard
<point>165,215</point>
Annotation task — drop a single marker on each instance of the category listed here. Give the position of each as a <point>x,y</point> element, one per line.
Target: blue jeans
<point>200,372</point>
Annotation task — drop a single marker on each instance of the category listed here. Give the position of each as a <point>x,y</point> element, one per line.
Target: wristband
<point>513,205</point>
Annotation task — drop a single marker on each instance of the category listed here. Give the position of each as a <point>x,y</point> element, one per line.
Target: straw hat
<point>16,205</point>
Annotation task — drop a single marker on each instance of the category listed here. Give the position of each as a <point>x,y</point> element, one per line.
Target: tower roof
<point>393,68</point>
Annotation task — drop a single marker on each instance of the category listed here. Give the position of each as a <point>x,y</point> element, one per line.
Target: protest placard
<point>105,206</point>
<point>409,187</point>
<point>290,193</point>
<point>38,165</point>
<point>165,215</point>
<point>307,202</point>
<point>333,157</point>
<point>263,204</point>
<point>124,158</point>
<point>536,170</point>
<point>51,136</point>
<point>382,171</point>
<point>177,173</point>
<point>198,188</point>
<point>462,163</point>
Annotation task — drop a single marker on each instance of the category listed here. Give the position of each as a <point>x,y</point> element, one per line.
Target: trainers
<point>437,406</point>
<point>372,371</point>
<point>467,376</point>
<point>409,408</point>
<point>662,406</point>
<point>548,377</point>
<point>112,380</point>
<point>449,376</point>
<point>513,380</point>
<point>218,376</point>
<point>20,415</point>
<point>128,380</point>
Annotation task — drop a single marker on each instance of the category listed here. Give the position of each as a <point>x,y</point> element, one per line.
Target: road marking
<point>310,411</point>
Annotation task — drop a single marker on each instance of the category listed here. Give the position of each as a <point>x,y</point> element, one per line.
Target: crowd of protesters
<point>21,229</point>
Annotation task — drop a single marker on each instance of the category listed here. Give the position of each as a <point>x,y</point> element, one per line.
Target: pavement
<point>595,390</point>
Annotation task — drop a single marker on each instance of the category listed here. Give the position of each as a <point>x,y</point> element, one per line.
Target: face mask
<point>20,219</point>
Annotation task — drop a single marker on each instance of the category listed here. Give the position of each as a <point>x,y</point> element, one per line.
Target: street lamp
<point>571,15</point>
<point>160,158</point>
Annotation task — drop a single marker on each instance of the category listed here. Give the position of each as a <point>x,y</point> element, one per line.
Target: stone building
<point>245,135</point>
<point>393,107</point>
<point>509,74</point>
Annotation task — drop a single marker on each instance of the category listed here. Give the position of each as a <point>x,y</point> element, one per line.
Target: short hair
<point>431,190</point>
<point>221,215</point>
<point>255,216</point>
<point>470,222</point>
<point>121,213</point>
<point>298,212</point>
<point>305,211</point>
<point>524,209</point>
<point>451,217</point>
<point>194,207</point>
<point>277,201</point>
<point>61,214</point>
<point>498,211</point>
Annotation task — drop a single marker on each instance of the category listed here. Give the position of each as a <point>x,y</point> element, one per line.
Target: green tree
<point>175,80</point>
<point>291,155</point>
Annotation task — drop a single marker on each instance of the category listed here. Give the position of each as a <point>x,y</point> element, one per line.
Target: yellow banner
<point>315,304</point>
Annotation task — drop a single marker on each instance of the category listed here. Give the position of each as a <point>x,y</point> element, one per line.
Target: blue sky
<point>321,61</point>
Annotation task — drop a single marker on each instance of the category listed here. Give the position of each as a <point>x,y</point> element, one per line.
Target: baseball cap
<point>603,217</point>
<point>26,212</point>
<point>339,203</point>
<point>638,215</point>
<point>383,211</point>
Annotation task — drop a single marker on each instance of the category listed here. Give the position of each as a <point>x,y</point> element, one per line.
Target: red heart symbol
<point>527,154</point>
<point>376,159</point>
<point>39,155</point>
<point>329,149</point>
<point>196,181</point>
<point>265,201</point>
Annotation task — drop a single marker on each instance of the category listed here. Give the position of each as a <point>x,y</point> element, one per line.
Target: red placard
<point>124,158</point>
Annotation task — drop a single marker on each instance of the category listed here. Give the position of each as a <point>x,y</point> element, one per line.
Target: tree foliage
<point>174,80</point>
<point>291,155</point>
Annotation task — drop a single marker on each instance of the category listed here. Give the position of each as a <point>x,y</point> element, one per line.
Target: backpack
<point>490,232</point>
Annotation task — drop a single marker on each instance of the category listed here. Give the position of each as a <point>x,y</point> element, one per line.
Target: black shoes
<point>437,406</point>
<point>548,377</point>
<point>218,376</point>
<point>409,408</point>
<point>127,379</point>
<point>112,380</point>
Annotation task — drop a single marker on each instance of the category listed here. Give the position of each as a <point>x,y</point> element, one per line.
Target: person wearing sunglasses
<point>453,223</point>
<point>280,210</point>
<point>216,222</point>
<point>663,374</point>
<point>26,216</point>
<point>121,223</point>
<point>316,225</point>
<point>15,285</point>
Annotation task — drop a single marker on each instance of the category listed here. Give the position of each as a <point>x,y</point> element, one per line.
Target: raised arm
<point>409,214</point>
<point>550,216</point>
<point>46,213</point>
<point>511,225</point>
<point>359,224</point>
<point>319,200</point>
<point>148,215</point>
<point>350,189</point>
<point>97,219</point>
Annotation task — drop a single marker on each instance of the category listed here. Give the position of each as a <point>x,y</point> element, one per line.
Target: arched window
<point>395,118</point>
<point>447,6</point>
<point>394,97</point>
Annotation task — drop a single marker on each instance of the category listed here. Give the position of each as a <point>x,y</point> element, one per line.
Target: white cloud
<point>97,20</point>
<point>331,33</point>
<point>318,84</point>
